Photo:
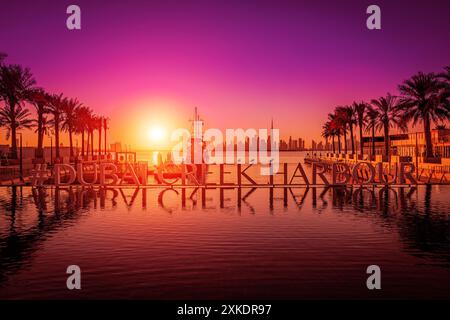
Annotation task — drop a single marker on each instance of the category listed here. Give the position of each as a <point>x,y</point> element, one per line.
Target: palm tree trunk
<point>345,140</point>
<point>105,149</point>
<point>88,143</point>
<point>82,143</point>
<point>373,139</point>
<point>13,130</point>
<point>386,141</point>
<point>92,142</point>
<point>41,145</point>
<point>353,141</point>
<point>40,151</point>
<point>428,142</point>
<point>70,142</point>
<point>339,143</point>
<point>334,148</point>
<point>13,142</point>
<point>57,137</point>
<point>361,143</point>
<point>99,141</point>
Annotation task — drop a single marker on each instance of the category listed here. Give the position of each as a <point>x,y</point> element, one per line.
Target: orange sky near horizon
<point>147,64</point>
<point>133,125</point>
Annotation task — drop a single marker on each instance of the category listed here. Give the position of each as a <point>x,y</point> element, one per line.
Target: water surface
<point>206,243</point>
<point>274,243</point>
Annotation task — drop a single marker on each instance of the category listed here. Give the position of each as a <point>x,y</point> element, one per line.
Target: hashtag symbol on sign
<point>39,175</point>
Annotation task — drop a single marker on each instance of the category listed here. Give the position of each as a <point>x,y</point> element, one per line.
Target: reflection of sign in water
<point>110,174</point>
<point>171,199</point>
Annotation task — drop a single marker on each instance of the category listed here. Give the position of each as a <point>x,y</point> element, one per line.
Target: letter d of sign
<point>374,20</point>
<point>74,20</point>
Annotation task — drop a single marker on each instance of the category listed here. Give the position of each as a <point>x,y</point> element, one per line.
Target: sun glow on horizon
<point>157,134</point>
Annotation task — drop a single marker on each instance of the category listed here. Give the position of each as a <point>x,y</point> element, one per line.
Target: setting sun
<point>157,134</point>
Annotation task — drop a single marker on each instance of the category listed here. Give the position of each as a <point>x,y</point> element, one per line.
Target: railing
<point>428,174</point>
<point>13,173</point>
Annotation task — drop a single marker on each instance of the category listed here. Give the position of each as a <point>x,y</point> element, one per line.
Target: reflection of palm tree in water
<point>425,229</point>
<point>422,224</point>
<point>18,247</point>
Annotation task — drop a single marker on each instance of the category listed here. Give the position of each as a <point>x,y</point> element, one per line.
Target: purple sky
<point>240,62</point>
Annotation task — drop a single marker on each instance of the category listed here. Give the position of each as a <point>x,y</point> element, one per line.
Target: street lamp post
<point>21,158</point>
<point>417,158</point>
<point>51,151</point>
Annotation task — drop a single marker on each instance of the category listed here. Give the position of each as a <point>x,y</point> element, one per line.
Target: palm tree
<point>91,126</point>
<point>359,109</point>
<point>20,121</point>
<point>56,107</point>
<point>70,109</point>
<point>425,99</point>
<point>46,126</point>
<point>2,57</point>
<point>326,132</point>
<point>99,127</point>
<point>105,128</point>
<point>40,100</point>
<point>372,116</point>
<point>340,124</point>
<point>387,116</point>
<point>347,118</point>
<point>335,127</point>
<point>15,85</point>
<point>83,115</point>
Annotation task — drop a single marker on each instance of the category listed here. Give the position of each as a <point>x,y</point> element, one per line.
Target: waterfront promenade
<point>424,173</point>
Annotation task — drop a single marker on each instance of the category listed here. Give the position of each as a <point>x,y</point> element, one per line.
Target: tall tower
<point>196,138</point>
<point>197,124</point>
<point>269,136</point>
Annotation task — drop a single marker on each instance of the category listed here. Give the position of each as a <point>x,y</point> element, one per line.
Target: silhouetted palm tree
<point>326,133</point>
<point>346,117</point>
<point>387,116</point>
<point>99,127</point>
<point>46,126</point>
<point>40,100</point>
<point>22,119</point>
<point>339,124</point>
<point>15,84</point>
<point>360,109</point>
<point>425,99</point>
<point>70,109</point>
<point>372,116</point>
<point>105,129</point>
<point>56,107</point>
<point>82,117</point>
<point>336,129</point>
<point>91,127</point>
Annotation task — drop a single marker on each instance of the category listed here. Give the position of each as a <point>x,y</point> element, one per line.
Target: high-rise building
<point>320,146</point>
